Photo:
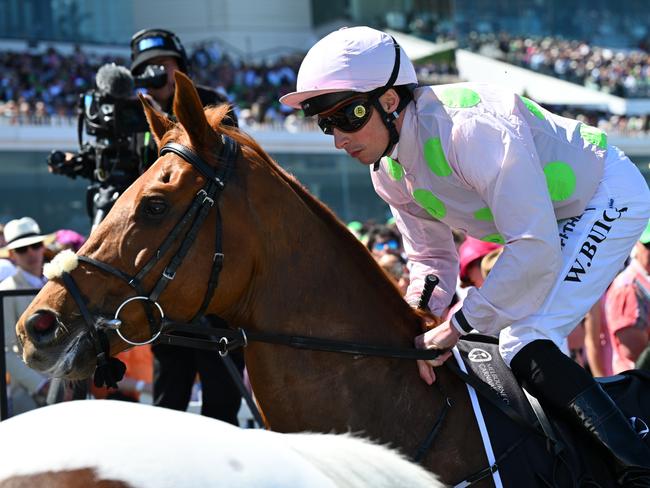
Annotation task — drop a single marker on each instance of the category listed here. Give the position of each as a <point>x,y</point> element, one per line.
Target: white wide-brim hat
<point>22,232</point>
<point>358,59</point>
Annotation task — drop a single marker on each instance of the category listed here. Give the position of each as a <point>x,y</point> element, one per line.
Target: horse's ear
<point>189,111</point>
<point>158,121</point>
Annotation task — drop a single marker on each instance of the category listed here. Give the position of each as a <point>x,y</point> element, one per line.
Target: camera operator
<point>123,148</point>
<point>175,368</point>
<point>159,47</point>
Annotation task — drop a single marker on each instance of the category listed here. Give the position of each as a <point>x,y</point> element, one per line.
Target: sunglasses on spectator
<point>35,247</point>
<point>380,246</point>
<point>347,116</point>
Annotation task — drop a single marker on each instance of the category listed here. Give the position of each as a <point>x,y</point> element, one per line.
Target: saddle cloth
<point>524,458</point>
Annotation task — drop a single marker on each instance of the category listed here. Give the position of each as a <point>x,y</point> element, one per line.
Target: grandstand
<point>605,83</point>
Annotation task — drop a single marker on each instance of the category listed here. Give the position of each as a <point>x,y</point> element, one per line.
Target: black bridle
<point>110,370</point>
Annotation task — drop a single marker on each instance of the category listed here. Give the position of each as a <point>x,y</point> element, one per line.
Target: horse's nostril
<point>40,327</point>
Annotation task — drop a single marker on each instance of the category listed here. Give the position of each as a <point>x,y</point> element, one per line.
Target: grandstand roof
<point>417,48</point>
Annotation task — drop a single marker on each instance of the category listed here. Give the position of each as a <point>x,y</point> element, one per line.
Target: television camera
<point>113,116</point>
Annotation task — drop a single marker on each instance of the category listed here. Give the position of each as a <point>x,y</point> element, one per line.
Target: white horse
<point>97,443</point>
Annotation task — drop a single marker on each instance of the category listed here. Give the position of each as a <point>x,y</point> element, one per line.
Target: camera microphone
<point>115,81</point>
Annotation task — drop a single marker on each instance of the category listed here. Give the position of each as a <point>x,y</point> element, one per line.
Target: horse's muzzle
<point>41,328</point>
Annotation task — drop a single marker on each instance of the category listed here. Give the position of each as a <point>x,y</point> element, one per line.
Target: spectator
<point>61,240</point>
<point>26,249</point>
<point>381,239</point>
<point>7,267</point>
<point>597,344</point>
<point>627,308</point>
<point>474,264</point>
<point>471,253</point>
<point>394,265</point>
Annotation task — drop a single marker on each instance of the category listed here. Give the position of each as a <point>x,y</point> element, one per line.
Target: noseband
<point>110,370</point>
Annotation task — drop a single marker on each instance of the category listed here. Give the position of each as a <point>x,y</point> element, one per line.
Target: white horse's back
<point>144,446</point>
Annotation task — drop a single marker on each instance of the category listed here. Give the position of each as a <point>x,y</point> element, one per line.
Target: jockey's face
<point>369,143</point>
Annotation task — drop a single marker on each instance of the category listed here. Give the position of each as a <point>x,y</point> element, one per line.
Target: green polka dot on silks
<point>430,203</point>
<point>458,97</point>
<point>484,214</point>
<point>395,170</point>
<point>560,180</point>
<point>533,107</point>
<point>435,157</point>
<point>593,136</point>
<point>495,238</point>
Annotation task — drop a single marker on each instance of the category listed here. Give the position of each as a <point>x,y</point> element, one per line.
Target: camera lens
<point>56,158</point>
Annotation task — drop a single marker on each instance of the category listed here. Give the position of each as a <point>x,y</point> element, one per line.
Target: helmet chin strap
<point>389,118</point>
<point>389,121</point>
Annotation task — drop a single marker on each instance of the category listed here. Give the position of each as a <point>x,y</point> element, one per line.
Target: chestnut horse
<point>288,266</point>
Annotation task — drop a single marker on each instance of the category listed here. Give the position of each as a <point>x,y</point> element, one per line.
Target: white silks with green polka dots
<point>503,169</point>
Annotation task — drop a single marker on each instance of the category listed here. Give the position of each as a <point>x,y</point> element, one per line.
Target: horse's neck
<point>317,281</point>
<point>314,280</point>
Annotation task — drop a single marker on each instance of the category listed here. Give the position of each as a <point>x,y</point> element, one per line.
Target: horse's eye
<point>155,208</point>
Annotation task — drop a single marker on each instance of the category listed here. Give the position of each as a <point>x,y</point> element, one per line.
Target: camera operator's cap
<point>152,43</point>
<point>357,59</point>
<point>22,232</point>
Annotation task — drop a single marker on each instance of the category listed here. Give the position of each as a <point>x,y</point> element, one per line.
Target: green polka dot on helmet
<point>459,97</point>
<point>560,180</point>
<point>430,203</point>
<point>395,170</point>
<point>594,136</point>
<point>435,157</point>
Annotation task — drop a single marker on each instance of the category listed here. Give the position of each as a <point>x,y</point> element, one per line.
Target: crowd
<point>624,73</point>
<point>612,338</point>
<point>44,88</point>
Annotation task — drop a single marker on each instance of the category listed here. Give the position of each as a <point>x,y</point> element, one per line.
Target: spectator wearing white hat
<point>7,268</point>
<point>26,250</point>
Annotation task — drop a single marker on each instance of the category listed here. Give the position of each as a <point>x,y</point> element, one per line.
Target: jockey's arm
<point>513,186</point>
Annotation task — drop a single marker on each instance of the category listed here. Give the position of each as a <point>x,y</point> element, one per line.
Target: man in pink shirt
<point>567,207</point>
<point>627,307</point>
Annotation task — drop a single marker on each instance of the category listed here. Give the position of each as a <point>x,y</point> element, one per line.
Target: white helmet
<point>357,59</point>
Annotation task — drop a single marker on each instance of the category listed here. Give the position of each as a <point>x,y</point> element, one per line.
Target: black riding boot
<point>558,381</point>
<point>596,411</point>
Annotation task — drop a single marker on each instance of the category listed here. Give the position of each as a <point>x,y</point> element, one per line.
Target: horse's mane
<point>253,151</point>
<point>255,154</point>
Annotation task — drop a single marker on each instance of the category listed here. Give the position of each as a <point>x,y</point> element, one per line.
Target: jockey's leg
<point>595,246</point>
<point>558,381</point>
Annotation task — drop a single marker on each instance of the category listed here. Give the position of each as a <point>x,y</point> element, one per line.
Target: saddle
<point>529,445</point>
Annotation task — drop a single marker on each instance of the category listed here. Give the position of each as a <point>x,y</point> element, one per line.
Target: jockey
<point>567,207</point>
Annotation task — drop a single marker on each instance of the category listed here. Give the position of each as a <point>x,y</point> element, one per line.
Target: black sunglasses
<point>347,116</point>
<point>35,247</point>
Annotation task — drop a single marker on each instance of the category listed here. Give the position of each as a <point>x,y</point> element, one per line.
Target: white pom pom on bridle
<point>65,261</point>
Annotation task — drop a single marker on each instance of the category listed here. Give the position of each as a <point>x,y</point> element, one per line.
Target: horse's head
<point>159,241</point>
